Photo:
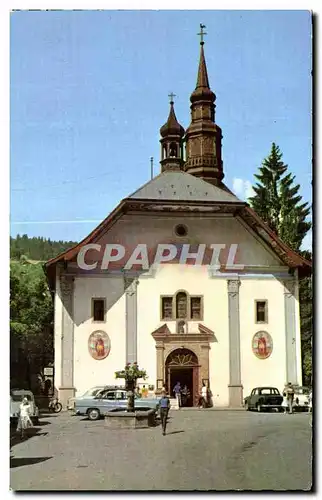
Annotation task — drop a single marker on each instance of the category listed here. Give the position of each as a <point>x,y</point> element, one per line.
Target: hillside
<point>37,249</point>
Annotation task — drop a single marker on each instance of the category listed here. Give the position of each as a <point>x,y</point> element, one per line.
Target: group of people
<point>288,398</point>
<point>182,394</point>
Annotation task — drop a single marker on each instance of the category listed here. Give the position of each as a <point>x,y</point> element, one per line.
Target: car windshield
<point>19,397</point>
<point>269,390</point>
<point>302,390</point>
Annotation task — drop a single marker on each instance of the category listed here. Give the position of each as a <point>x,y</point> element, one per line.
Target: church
<point>181,277</point>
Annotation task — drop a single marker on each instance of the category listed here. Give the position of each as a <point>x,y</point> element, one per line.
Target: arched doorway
<point>182,366</point>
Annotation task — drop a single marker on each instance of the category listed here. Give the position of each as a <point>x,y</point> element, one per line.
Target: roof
<point>182,186</point>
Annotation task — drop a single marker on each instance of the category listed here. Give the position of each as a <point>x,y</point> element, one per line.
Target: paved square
<point>203,450</point>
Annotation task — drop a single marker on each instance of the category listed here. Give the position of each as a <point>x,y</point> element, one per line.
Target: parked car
<point>16,396</point>
<point>90,393</point>
<point>105,401</point>
<point>301,396</point>
<point>262,398</point>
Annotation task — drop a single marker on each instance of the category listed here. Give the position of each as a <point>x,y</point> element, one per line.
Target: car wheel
<point>93,414</point>
<point>258,407</point>
<point>246,406</point>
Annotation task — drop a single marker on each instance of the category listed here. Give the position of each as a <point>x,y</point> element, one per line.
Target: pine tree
<point>278,203</point>
<point>277,200</point>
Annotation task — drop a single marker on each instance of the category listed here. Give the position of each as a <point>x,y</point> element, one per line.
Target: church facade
<point>182,278</point>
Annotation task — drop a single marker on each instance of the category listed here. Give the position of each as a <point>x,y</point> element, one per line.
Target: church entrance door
<point>182,366</point>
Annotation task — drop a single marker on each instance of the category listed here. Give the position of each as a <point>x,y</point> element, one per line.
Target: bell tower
<point>203,137</point>
<point>172,142</point>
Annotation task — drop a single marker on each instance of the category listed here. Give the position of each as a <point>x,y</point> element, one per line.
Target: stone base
<point>64,394</point>
<point>125,420</point>
<point>235,396</point>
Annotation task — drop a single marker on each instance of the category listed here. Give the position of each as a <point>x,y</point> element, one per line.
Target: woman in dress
<point>24,421</point>
<point>284,403</point>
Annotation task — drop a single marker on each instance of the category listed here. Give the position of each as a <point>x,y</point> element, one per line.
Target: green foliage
<point>131,373</point>
<point>31,316</point>
<point>40,249</point>
<point>277,201</point>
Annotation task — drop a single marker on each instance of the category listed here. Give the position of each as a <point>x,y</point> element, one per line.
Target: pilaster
<point>67,390</point>
<point>235,387</point>
<point>130,286</point>
<point>290,331</point>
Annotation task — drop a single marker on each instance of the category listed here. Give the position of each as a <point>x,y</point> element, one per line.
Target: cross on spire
<point>171,96</point>
<point>202,33</point>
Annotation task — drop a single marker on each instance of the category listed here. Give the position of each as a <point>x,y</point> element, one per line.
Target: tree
<point>130,374</point>
<point>31,321</point>
<point>278,203</point>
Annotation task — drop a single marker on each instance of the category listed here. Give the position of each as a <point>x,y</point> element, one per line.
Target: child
<point>24,420</point>
<point>164,410</point>
<point>284,402</point>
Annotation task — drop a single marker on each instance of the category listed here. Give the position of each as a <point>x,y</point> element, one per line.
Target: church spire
<point>203,136</point>
<point>172,141</point>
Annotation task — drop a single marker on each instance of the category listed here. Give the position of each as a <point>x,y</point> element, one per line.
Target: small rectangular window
<point>98,309</point>
<point>166,305</point>
<point>195,308</point>
<point>261,311</point>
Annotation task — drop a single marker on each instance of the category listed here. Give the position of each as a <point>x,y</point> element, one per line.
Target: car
<point>262,398</point>
<point>96,407</point>
<point>90,393</point>
<point>301,396</point>
<point>16,396</point>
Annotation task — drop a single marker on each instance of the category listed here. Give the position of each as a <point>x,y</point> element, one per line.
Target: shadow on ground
<point>20,462</point>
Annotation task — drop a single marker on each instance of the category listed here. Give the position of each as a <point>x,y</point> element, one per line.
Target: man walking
<point>164,410</point>
<point>289,390</point>
<point>177,394</point>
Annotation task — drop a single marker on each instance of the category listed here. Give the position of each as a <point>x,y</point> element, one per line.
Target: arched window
<point>181,306</point>
<point>173,150</point>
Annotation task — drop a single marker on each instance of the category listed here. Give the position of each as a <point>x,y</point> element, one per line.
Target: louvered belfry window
<point>167,308</point>
<point>261,311</point>
<point>181,306</point>
<point>195,308</point>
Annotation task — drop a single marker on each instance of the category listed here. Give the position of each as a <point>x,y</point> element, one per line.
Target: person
<point>289,390</point>
<point>164,410</point>
<point>310,402</point>
<point>24,421</point>
<point>284,402</point>
<point>204,395</point>
<point>138,392</point>
<point>177,394</point>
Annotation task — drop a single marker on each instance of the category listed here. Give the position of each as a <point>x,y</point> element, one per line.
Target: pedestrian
<point>310,402</point>
<point>289,390</point>
<point>24,421</point>
<point>284,402</point>
<point>177,394</point>
<point>204,395</point>
<point>164,411</point>
<point>138,392</point>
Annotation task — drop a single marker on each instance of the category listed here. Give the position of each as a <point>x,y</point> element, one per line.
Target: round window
<point>181,230</point>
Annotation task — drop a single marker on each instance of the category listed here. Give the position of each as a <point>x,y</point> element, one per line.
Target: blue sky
<point>89,93</point>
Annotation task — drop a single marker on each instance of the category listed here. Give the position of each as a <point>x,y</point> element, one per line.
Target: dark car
<point>262,398</point>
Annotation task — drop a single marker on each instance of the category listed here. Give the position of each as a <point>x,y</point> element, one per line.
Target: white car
<point>89,394</point>
<point>301,396</point>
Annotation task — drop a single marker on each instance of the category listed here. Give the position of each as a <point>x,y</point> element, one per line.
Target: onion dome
<point>172,126</point>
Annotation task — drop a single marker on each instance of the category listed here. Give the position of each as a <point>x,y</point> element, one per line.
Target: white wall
<point>169,278</point>
<point>89,372</point>
<point>271,371</point>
